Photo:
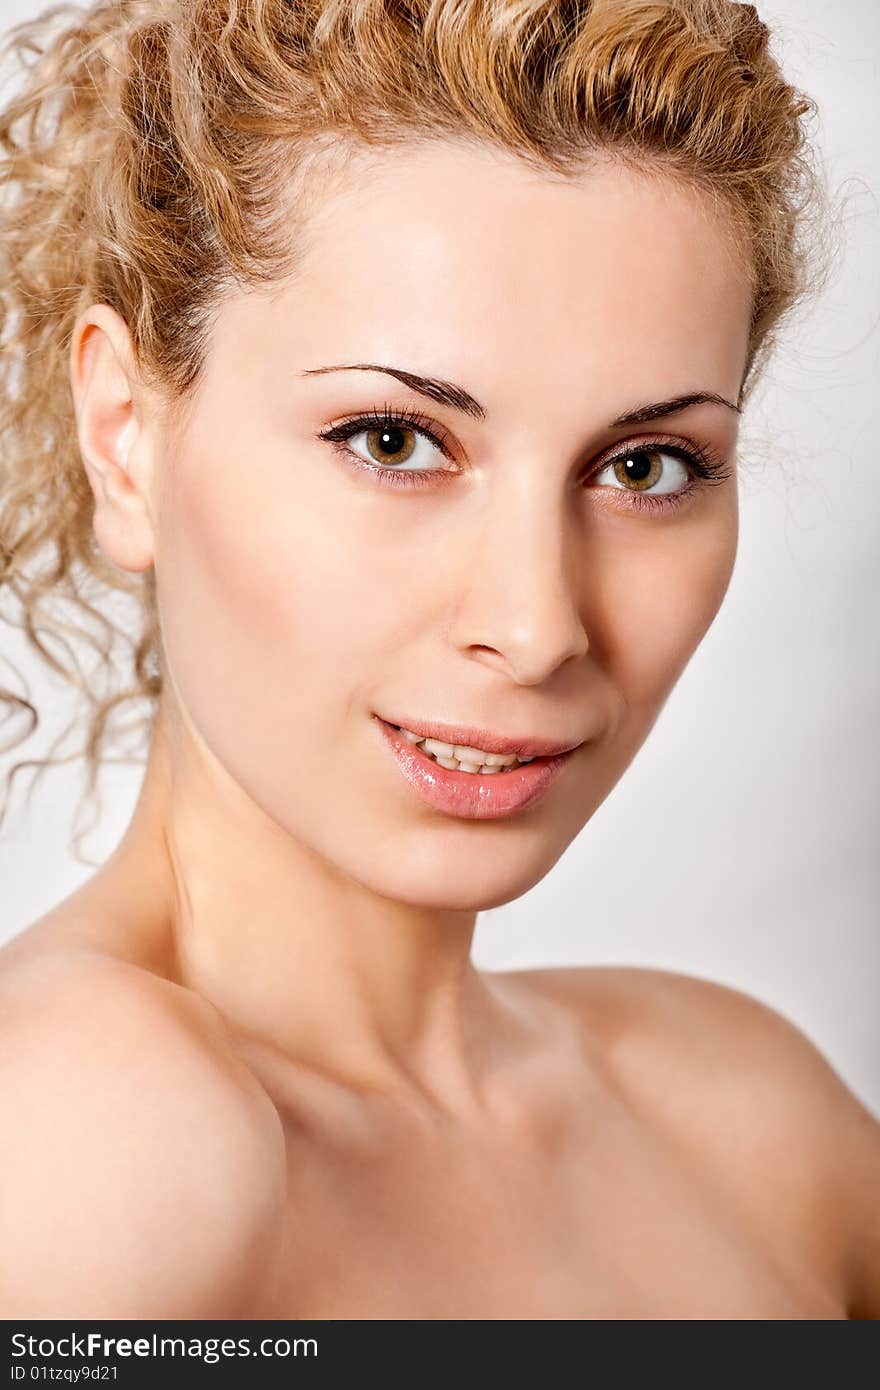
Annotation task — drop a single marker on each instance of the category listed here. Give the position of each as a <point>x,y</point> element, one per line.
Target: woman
<point>394,354</point>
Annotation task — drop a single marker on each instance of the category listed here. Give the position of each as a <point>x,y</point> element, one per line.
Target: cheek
<point>265,589</point>
<point>663,596</point>
<point>242,579</point>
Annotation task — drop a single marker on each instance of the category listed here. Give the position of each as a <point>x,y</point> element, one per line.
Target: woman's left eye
<point>642,469</point>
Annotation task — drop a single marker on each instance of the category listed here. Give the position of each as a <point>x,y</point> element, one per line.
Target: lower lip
<point>469,794</point>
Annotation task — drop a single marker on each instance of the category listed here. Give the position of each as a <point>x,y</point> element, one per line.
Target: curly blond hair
<point>140,158</point>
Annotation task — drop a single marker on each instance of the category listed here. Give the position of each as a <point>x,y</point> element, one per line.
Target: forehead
<point>444,257</point>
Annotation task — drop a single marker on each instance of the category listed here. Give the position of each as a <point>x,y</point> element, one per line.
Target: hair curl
<point>140,159</point>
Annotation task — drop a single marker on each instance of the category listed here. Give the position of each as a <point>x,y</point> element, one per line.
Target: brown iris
<point>391,440</point>
<point>639,469</point>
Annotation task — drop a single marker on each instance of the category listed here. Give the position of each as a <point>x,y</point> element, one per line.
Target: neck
<point>295,955</point>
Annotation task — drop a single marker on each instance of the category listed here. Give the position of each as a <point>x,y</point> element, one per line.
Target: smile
<point>461,758</point>
<point>462,787</point>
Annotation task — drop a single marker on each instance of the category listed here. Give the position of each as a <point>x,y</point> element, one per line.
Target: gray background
<point>742,843</point>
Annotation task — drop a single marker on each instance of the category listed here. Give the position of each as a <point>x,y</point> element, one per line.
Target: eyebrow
<point>444,392</point>
<point>447,393</point>
<point>643,413</point>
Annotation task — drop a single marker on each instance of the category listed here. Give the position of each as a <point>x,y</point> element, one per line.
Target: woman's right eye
<point>396,446</point>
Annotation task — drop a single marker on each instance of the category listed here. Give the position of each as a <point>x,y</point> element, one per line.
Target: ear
<point>113,437</point>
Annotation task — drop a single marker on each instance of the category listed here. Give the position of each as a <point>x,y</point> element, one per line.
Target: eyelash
<point>705,465</point>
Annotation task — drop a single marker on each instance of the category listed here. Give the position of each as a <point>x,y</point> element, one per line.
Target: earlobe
<point>109,431</point>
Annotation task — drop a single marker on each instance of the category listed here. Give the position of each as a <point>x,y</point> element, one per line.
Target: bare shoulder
<point>755,1101</point>
<point>141,1167</point>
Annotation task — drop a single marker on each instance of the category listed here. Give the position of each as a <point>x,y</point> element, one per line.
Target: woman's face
<point>538,570</point>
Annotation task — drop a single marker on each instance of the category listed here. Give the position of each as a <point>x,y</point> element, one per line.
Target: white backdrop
<point>742,843</point>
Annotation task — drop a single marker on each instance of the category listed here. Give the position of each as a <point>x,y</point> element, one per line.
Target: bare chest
<point>441,1232</point>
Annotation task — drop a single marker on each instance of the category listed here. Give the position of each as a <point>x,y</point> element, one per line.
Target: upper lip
<point>526,746</point>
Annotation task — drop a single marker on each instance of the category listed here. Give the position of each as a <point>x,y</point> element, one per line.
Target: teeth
<point>475,755</point>
<point>440,750</point>
<point>461,758</point>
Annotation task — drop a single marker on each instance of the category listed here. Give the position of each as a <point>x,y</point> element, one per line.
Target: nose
<point>522,601</point>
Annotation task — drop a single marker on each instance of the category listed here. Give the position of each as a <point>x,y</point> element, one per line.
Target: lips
<point>471,795</point>
<point>457,734</point>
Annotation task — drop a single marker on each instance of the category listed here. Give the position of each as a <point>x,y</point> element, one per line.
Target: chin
<point>459,880</point>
